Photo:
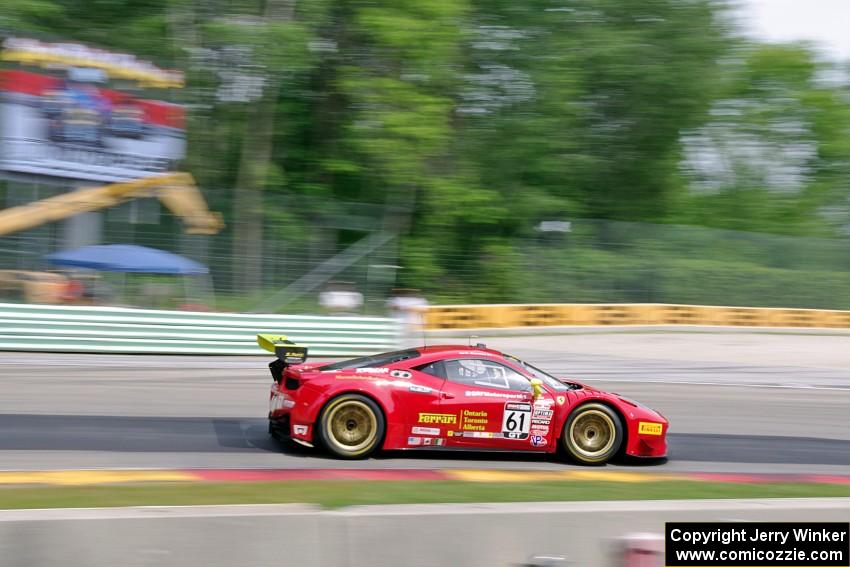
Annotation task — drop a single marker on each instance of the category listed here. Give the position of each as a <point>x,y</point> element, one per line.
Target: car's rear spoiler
<point>285,350</point>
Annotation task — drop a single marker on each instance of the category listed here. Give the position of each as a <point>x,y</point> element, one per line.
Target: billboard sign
<point>71,111</point>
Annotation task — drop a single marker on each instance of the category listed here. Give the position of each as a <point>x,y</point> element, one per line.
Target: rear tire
<point>351,426</point>
<point>592,434</point>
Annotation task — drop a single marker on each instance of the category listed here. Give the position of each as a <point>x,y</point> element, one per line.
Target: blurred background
<point>465,151</point>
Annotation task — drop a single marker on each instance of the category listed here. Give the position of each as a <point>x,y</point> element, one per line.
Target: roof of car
<point>466,349</point>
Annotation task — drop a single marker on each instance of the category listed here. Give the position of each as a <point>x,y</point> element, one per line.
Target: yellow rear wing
<point>287,351</point>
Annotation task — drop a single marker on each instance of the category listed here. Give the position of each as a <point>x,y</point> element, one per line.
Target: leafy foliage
<point>461,124</point>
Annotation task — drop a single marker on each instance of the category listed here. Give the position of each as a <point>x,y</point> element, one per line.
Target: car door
<point>419,406</point>
<point>489,404</point>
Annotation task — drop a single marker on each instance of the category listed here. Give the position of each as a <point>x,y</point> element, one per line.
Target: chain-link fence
<point>581,261</point>
<point>609,262</point>
<point>298,258</point>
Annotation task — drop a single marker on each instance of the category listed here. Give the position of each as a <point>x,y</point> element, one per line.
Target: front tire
<point>351,426</point>
<point>593,434</point>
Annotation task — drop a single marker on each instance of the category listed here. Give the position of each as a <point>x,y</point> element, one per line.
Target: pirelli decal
<point>444,418</point>
<point>648,428</point>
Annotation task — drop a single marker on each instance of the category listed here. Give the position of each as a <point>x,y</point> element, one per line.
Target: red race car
<point>451,397</point>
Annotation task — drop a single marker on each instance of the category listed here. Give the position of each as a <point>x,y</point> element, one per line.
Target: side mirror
<point>537,387</point>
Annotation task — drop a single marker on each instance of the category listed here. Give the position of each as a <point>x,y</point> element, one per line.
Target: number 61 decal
<point>516,421</point>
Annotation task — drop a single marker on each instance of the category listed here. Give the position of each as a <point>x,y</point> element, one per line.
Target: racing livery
<point>451,397</point>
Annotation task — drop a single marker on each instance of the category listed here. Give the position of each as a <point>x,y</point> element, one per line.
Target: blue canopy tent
<point>127,258</point>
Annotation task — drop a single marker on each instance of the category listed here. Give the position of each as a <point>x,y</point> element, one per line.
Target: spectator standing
<point>408,306</point>
<point>341,298</point>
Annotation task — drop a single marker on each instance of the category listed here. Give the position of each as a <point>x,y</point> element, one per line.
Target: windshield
<point>374,360</point>
<point>547,379</point>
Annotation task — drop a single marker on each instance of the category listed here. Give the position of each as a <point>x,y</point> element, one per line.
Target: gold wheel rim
<point>352,426</point>
<point>592,434</point>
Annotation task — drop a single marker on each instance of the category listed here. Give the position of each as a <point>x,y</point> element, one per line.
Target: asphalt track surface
<point>736,402</point>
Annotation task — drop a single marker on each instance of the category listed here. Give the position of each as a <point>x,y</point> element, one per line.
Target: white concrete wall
<point>469,535</point>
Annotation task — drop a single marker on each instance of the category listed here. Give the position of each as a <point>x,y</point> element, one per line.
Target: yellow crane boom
<point>177,191</point>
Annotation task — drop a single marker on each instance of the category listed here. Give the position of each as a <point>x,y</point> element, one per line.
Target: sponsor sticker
<point>444,418</point>
<point>543,402</point>
<point>538,440</point>
<point>403,374</point>
<point>421,389</point>
<point>516,420</point>
<point>480,434</point>
<point>485,394</point>
<point>414,440</point>
<point>542,413</point>
<point>649,428</point>
<point>367,370</point>
<point>425,431</point>
<point>540,422</point>
<point>300,429</point>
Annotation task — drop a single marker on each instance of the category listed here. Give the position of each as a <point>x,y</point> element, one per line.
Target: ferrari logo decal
<point>561,400</point>
<point>446,418</point>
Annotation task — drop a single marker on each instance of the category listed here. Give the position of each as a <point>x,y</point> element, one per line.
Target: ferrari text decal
<point>446,418</point>
<point>516,421</point>
<point>649,428</point>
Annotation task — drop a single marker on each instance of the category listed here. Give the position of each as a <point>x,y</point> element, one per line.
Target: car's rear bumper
<point>279,427</point>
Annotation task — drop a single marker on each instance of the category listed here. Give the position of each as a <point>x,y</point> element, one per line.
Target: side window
<point>487,373</point>
<point>434,369</point>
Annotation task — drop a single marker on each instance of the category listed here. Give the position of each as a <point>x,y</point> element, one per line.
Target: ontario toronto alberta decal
<point>472,420</point>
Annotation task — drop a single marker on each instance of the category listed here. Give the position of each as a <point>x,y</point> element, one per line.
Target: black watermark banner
<point>757,544</point>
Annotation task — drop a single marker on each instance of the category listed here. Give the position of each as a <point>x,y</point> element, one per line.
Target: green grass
<point>334,494</point>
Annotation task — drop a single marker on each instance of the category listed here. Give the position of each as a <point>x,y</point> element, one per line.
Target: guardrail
<point>48,328</point>
<point>566,314</point>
